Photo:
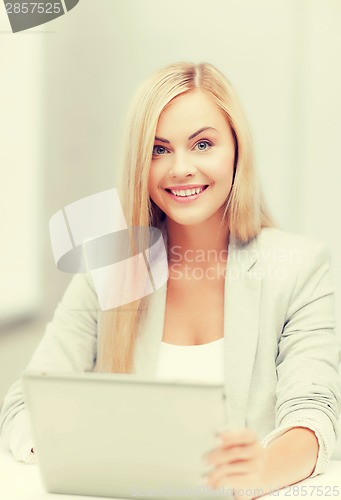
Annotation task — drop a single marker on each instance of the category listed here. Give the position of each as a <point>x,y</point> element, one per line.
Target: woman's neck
<point>207,240</point>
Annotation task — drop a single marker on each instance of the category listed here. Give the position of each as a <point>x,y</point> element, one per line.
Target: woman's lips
<point>186,199</point>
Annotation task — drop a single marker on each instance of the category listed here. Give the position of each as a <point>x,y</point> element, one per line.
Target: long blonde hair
<point>245,211</point>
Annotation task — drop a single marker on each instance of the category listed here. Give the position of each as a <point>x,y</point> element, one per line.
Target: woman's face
<point>193,153</point>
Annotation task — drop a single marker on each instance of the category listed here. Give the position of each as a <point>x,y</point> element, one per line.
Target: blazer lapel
<point>243,285</point>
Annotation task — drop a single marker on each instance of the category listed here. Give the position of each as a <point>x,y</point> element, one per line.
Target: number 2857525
<point>33,8</point>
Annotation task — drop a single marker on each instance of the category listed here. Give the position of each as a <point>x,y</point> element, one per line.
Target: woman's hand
<point>239,464</point>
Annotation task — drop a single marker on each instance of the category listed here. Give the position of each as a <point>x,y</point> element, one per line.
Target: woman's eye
<point>203,145</point>
<point>159,150</point>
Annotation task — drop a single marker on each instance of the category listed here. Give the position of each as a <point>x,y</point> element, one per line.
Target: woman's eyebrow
<point>201,130</point>
<point>190,137</point>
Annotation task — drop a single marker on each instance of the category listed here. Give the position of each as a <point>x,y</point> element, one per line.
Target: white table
<point>19,481</point>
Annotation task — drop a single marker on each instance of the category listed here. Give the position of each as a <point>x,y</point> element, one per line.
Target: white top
<point>203,362</point>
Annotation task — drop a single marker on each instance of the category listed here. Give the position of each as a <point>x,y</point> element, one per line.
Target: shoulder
<point>290,258</point>
<point>295,269</point>
<point>274,244</point>
<point>285,252</point>
<point>80,296</point>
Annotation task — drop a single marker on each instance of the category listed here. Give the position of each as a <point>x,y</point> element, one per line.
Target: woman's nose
<point>181,166</point>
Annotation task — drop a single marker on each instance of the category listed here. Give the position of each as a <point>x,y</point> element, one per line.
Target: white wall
<point>319,195</point>
<point>20,174</point>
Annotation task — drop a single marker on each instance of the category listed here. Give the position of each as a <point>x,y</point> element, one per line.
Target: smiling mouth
<point>183,193</point>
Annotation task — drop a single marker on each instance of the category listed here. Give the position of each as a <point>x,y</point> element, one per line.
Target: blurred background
<point>65,88</point>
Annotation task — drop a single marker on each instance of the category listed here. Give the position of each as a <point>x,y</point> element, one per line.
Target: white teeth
<point>187,192</point>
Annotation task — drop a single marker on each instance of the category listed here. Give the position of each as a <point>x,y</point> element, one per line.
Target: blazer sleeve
<point>308,388</point>
<point>68,344</point>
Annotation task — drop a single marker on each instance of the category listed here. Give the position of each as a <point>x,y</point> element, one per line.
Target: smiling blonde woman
<point>244,210</point>
<point>252,307</point>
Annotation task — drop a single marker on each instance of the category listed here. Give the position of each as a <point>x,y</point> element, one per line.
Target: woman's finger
<point>237,437</point>
<point>232,454</point>
<point>238,482</point>
<point>223,472</point>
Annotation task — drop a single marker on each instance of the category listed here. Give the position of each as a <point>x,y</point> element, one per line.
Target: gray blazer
<point>281,351</point>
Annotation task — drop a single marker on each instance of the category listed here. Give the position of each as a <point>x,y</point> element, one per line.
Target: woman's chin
<point>187,220</point>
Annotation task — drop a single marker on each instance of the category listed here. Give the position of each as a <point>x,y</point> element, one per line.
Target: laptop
<point>122,436</point>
